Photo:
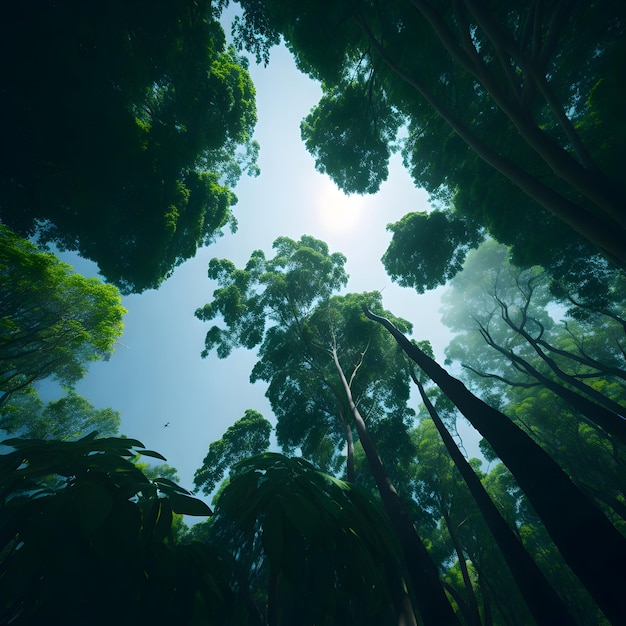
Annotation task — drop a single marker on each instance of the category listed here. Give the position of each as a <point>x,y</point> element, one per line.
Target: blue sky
<point>157,374</point>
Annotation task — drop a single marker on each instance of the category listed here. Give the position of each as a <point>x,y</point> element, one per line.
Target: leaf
<point>186,505</point>
<point>168,486</point>
<point>163,525</point>
<point>151,453</point>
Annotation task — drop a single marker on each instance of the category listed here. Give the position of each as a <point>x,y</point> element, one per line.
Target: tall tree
<point>542,366</point>
<point>510,109</point>
<point>565,510</point>
<point>53,322</point>
<point>268,303</point>
<point>123,127</point>
<point>300,358</point>
<point>439,491</point>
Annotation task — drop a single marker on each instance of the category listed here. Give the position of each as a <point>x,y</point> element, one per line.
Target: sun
<point>337,212</point>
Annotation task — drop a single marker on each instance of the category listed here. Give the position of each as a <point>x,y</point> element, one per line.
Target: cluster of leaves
<point>247,437</point>
<point>308,544</point>
<point>286,544</point>
<point>70,417</point>
<point>86,537</point>
<point>123,126</point>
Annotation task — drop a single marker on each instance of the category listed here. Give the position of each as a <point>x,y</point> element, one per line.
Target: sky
<point>157,375</point>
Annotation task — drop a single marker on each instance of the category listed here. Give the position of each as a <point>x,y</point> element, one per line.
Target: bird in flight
<point>166,424</point>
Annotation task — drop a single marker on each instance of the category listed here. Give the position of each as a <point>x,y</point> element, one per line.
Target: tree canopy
<point>248,436</point>
<point>53,322</point>
<point>507,110</point>
<point>123,126</point>
<point>69,417</point>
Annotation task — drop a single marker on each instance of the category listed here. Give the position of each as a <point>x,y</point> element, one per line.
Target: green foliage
<point>300,274</point>
<point>321,549</point>
<point>126,125</point>
<point>512,116</point>
<point>69,417</point>
<point>286,304</point>
<point>248,436</point>
<point>350,138</point>
<point>515,345</point>
<point>80,516</point>
<point>427,249</point>
<point>53,322</point>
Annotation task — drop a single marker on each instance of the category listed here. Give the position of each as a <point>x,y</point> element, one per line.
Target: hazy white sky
<point>158,376</point>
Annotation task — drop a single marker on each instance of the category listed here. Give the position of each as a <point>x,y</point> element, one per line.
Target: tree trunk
<point>433,605</point>
<point>350,473</point>
<point>544,603</point>
<point>471,612</point>
<point>589,543</point>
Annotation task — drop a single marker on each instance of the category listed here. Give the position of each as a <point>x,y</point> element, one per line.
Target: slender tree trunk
<point>433,605</point>
<point>589,543</point>
<point>472,614</point>
<point>350,473</point>
<point>544,603</point>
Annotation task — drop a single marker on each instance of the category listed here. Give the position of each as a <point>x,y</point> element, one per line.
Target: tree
<point>439,491</point>
<point>124,126</point>
<point>247,437</point>
<point>538,368</point>
<point>53,322</point>
<point>510,110</point>
<point>69,417</point>
<point>300,359</point>
<point>267,304</point>
<point>565,510</point>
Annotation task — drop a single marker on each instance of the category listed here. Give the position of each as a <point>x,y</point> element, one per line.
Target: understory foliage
<point>286,543</point>
<point>86,538</point>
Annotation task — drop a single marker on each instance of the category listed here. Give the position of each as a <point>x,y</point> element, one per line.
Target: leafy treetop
<point>124,125</point>
<point>53,322</point>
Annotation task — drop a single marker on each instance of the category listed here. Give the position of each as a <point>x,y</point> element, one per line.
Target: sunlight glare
<point>337,212</point>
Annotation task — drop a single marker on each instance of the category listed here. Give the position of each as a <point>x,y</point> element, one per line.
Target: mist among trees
<point>355,501</point>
